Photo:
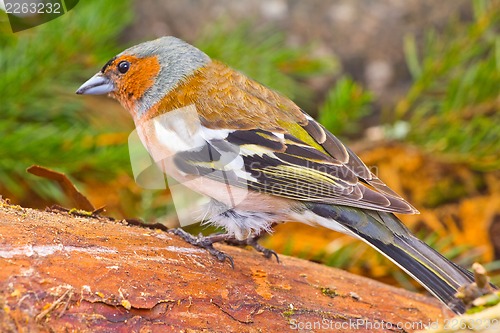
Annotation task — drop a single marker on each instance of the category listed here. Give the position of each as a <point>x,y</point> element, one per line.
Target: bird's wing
<point>321,170</point>
<point>335,148</point>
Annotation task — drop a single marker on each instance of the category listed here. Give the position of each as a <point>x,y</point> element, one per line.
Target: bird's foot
<point>253,242</point>
<point>206,242</point>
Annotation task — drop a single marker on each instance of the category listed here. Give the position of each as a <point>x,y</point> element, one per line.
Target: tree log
<point>61,273</point>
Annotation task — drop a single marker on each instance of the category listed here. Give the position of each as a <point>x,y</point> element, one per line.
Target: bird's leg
<point>206,242</point>
<point>253,242</point>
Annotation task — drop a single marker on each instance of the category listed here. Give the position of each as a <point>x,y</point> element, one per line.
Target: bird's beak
<point>98,84</point>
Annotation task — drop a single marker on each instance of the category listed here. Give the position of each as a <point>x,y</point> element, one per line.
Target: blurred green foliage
<point>262,55</point>
<point>453,105</point>
<point>42,120</point>
<point>346,103</point>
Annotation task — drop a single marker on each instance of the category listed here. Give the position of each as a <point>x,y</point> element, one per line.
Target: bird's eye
<point>123,66</point>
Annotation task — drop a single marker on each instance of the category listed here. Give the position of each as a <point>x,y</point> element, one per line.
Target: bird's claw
<point>205,242</point>
<point>269,253</point>
<point>253,242</point>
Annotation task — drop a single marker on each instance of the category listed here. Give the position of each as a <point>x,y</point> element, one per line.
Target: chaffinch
<point>260,158</point>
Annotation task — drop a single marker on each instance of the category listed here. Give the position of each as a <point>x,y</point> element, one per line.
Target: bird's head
<point>142,75</point>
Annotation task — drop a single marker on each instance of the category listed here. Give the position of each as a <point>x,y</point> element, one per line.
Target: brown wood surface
<point>63,273</point>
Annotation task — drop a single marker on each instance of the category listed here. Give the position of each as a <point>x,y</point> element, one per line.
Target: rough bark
<point>59,273</point>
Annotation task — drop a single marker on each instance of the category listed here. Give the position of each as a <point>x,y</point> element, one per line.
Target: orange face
<point>132,77</point>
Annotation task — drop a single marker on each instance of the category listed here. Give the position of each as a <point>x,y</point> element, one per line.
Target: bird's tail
<point>386,233</point>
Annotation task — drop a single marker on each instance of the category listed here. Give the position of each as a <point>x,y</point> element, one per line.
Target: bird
<point>260,159</point>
